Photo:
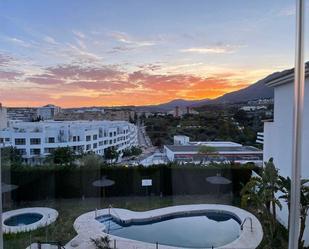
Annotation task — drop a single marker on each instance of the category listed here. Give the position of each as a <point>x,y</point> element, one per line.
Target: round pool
<point>23,219</point>
<point>27,219</point>
<point>205,230</point>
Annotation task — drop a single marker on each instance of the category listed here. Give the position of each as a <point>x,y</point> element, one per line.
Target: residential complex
<point>184,151</point>
<point>28,114</point>
<point>35,140</point>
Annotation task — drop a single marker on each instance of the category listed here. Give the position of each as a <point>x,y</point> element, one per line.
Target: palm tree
<point>260,193</point>
<point>285,187</point>
<point>102,242</point>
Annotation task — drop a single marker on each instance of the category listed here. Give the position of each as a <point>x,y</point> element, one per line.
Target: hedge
<point>49,182</point>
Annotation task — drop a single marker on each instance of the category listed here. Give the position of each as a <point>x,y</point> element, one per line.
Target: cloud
<point>216,49</point>
<point>79,34</point>
<point>18,42</point>
<point>9,75</point>
<point>76,85</point>
<point>150,67</point>
<point>80,53</point>
<point>50,40</point>
<point>5,60</point>
<point>125,38</point>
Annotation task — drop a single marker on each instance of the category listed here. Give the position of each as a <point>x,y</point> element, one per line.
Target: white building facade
<point>278,133</point>
<point>36,140</point>
<point>48,112</point>
<point>185,151</point>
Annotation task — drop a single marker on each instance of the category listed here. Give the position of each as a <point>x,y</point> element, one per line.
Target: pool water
<point>23,219</point>
<point>191,231</point>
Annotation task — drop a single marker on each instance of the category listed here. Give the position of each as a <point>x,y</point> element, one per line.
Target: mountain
<point>257,90</point>
<point>182,103</point>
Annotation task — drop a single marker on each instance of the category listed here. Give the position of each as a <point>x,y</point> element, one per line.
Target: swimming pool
<point>202,230</point>
<point>174,227</point>
<point>27,219</point>
<point>23,219</point>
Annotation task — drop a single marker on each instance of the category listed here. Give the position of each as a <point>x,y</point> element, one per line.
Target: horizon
<point>104,55</point>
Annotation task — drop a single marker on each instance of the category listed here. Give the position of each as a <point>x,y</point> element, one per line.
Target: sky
<point>131,52</point>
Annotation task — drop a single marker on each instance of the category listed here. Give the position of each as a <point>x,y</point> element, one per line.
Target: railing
<point>54,243</point>
<point>243,223</point>
<point>110,207</point>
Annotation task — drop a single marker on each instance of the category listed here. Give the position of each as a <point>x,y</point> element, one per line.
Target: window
<point>35,151</point>
<point>49,150</point>
<point>51,140</point>
<point>117,108</point>
<point>20,141</point>
<point>22,152</point>
<point>34,141</point>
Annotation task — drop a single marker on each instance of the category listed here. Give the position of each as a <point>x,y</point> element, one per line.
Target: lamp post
<point>1,229</point>
<point>299,86</point>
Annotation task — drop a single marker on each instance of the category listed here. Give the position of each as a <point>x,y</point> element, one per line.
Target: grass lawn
<point>69,209</point>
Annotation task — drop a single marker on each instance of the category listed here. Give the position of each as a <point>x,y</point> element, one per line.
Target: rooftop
<point>284,77</point>
<point>195,148</point>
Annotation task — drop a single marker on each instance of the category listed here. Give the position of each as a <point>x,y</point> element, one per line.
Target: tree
<point>11,156</point>
<point>111,153</point>
<point>62,156</point>
<point>133,151</point>
<point>285,187</point>
<point>260,193</point>
<point>207,150</point>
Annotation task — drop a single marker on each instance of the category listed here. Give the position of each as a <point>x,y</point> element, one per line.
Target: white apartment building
<point>278,133</point>
<point>48,112</point>
<point>36,140</point>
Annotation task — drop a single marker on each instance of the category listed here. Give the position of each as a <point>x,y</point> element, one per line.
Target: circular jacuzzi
<point>23,219</point>
<point>27,219</point>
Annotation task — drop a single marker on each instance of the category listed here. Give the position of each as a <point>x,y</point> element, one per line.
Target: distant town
<point>180,134</point>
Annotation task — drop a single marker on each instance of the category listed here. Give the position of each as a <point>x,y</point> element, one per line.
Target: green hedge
<point>48,182</point>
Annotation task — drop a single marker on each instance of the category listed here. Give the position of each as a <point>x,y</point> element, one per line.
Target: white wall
<point>278,137</point>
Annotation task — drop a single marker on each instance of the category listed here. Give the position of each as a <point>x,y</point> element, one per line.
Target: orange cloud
<point>72,85</point>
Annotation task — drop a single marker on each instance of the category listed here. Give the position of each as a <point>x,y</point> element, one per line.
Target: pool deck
<point>49,215</point>
<point>88,227</point>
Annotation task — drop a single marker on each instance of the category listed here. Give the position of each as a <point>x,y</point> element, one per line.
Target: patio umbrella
<point>218,180</point>
<point>103,183</point>
<point>8,187</point>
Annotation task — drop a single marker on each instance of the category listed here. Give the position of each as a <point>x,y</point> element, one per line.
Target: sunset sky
<point>138,52</point>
